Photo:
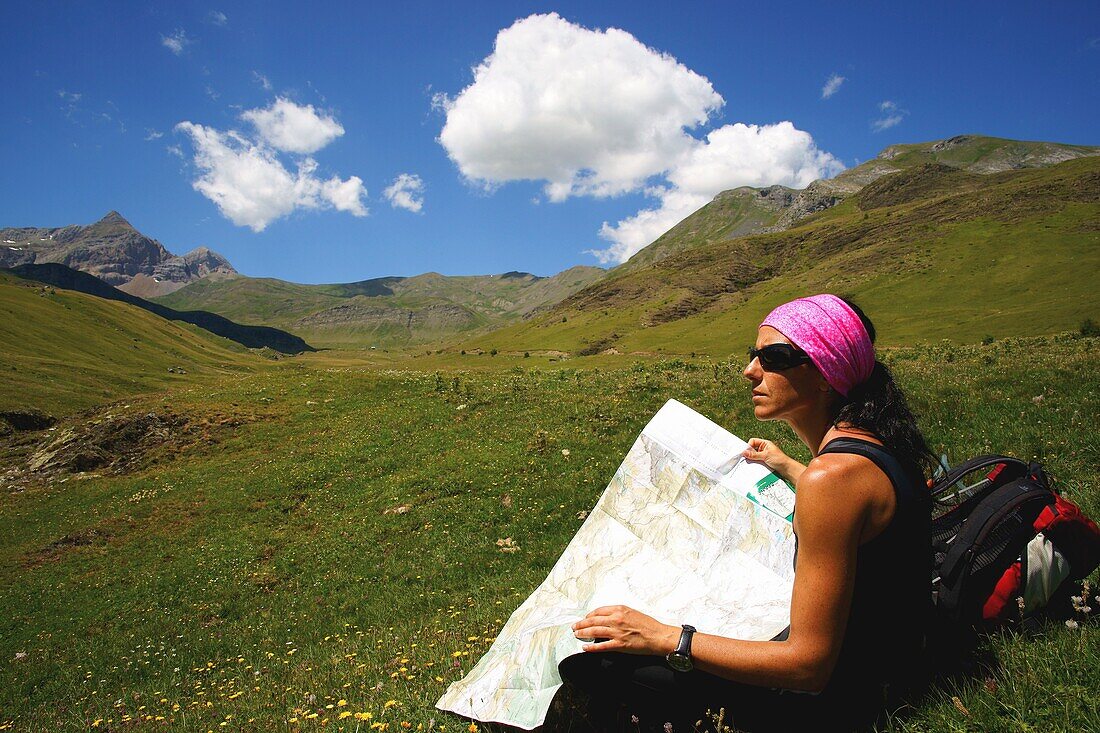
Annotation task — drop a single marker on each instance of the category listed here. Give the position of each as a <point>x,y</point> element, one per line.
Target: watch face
<point>679,662</point>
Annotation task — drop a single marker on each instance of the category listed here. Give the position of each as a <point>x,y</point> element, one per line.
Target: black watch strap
<point>684,647</point>
<point>680,657</point>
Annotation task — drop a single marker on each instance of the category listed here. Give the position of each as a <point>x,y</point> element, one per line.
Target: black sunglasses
<point>777,357</point>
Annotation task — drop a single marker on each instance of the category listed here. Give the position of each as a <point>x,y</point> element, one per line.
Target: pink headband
<point>832,336</point>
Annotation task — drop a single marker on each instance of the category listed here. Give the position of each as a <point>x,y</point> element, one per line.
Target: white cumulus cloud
<point>406,192</point>
<point>250,185</point>
<point>589,112</point>
<point>217,17</point>
<point>730,156</point>
<point>892,115</point>
<point>177,43</point>
<point>598,113</point>
<point>832,85</point>
<point>293,128</point>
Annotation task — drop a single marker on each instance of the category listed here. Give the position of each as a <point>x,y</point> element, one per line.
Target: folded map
<point>687,532</point>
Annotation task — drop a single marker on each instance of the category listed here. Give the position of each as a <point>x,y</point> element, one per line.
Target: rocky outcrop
<point>114,251</point>
<point>818,196</point>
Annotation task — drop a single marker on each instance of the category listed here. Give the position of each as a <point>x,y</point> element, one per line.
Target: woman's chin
<point>761,411</point>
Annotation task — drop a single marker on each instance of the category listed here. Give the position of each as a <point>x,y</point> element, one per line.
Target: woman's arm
<point>833,501</point>
<point>772,456</point>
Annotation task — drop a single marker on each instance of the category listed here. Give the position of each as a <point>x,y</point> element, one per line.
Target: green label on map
<point>773,493</point>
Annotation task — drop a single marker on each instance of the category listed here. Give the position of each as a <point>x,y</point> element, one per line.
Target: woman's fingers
<point>756,445</point>
<point>589,621</point>
<point>595,632</point>
<point>603,646</point>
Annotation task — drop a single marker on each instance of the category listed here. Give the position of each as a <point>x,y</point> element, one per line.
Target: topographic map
<point>687,532</point>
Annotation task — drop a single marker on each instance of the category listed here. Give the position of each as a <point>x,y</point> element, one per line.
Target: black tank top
<point>892,599</point>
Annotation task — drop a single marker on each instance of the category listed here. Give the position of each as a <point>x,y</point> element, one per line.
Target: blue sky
<point>297,119</point>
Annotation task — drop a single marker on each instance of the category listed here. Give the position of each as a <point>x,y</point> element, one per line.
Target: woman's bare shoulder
<point>835,471</point>
<point>844,490</point>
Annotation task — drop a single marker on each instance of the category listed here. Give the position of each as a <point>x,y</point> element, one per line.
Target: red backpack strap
<point>1000,603</point>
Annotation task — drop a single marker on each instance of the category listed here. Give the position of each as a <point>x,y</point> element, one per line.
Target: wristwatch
<point>680,657</point>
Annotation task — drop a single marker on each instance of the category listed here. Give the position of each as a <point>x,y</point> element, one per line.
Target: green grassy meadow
<point>331,562</point>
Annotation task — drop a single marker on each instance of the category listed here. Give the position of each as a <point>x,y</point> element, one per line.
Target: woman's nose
<point>752,370</point>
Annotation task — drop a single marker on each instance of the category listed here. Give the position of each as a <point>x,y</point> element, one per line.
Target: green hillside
<point>983,154</point>
<point>65,351</point>
<point>732,214</point>
<point>747,210</point>
<point>935,254</point>
<point>392,311</point>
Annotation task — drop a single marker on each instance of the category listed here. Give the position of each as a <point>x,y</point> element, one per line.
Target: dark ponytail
<point>878,406</point>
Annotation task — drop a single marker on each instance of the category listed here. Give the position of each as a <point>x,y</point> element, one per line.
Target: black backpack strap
<point>1013,468</point>
<point>878,455</point>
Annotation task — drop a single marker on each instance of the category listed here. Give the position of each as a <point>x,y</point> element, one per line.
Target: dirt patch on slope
<point>110,440</point>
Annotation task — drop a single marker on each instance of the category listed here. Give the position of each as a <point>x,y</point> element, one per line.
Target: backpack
<point>1005,545</point>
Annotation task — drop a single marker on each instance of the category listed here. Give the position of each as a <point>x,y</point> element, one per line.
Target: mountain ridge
<point>387,311</point>
<point>115,252</point>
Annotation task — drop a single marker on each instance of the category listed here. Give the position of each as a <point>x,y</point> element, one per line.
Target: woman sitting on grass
<point>862,561</point>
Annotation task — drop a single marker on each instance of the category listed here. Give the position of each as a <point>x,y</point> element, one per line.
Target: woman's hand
<point>622,629</point>
<point>772,456</point>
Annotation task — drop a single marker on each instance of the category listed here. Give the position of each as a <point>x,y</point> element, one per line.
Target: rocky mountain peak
<point>115,252</point>
<point>114,218</point>
<point>199,262</point>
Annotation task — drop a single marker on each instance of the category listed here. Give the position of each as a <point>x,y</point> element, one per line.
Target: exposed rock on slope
<point>115,252</point>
